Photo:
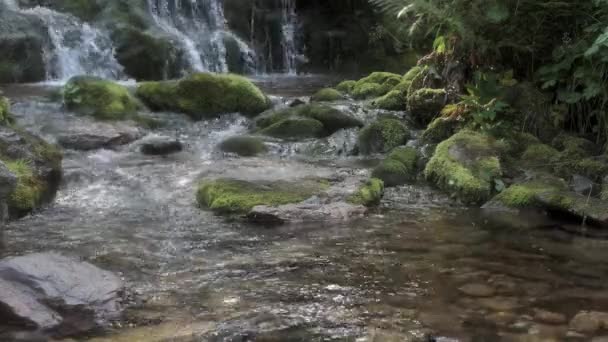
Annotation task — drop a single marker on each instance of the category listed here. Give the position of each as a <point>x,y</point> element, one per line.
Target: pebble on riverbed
<point>477,290</point>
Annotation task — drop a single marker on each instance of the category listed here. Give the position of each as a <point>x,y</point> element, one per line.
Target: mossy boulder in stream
<point>245,146</point>
<point>426,104</point>
<point>466,165</point>
<point>5,111</point>
<point>440,129</point>
<point>393,100</point>
<point>375,85</point>
<point>205,95</point>
<point>368,194</point>
<point>382,136</point>
<point>398,168</point>
<point>99,98</point>
<point>304,121</point>
<point>346,87</point>
<point>239,196</point>
<point>326,95</point>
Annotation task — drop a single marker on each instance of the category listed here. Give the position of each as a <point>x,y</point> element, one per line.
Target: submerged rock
<point>160,146</point>
<point>306,212</point>
<point>589,322</point>
<point>205,95</point>
<point>245,146</point>
<point>99,98</point>
<point>369,194</point>
<point>51,292</point>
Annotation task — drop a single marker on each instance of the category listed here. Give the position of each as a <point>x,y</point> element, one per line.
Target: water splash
<point>289,27</point>
<point>75,48</point>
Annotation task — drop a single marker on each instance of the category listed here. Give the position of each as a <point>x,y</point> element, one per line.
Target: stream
<point>419,268</point>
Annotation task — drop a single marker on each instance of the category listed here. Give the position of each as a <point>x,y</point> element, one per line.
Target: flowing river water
<point>419,268</point>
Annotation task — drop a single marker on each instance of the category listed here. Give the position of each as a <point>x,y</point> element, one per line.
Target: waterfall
<point>75,48</point>
<point>289,26</point>
<point>199,26</point>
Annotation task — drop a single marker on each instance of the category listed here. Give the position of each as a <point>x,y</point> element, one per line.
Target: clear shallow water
<point>393,276</point>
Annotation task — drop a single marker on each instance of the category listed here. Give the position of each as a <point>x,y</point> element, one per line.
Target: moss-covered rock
<point>466,165</point>
<point>30,189</point>
<point>411,74</point>
<point>540,156</point>
<point>346,87</point>
<point>440,129</point>
<point>239,197</point>
<point>99,98</point>
<point>398,168</point>
<point>245,146</point>
<point>375,85</point>
<point>326,95</point>
<point>205,95</point>
<point>5,111</point>
<point>295,128</point>
<point>426,104</point>
<point>393,100</point>
<point>309,115</point>
<point>369,194</point>
<point>525,194</point>
<point>574,147</point>
<point>369,90</point>
<point>382,136</point>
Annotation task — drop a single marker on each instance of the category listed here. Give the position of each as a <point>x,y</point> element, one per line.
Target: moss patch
<point>540,156</point>
<point>525,194</point>
<point>398,168</point>
<point>326,95</point>
<point>239,197</point>
<point>245,146</point>
<point>425,104</point>
<point>375,85</point>
<point>295,129</point>
<point>346,87</point>
<point>5,109</point>
<point>205,95</point>
<point>393,100</point>
<point>382,136</point>
<point>439,130</point>
<point>369,194</point>
<point>99,98</point>
<point>30,189</point>
<point>466,165</point>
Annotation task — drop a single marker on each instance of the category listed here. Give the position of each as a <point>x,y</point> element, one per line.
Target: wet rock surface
<point>160,145</point>
<point>48,291</point>
<point>88,135</point>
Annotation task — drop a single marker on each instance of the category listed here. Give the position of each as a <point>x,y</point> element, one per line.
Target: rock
<point>549,317</point>
<point>245,146</point>
<point>375,85</point>
<point>604,194</point>
<point>466,165</point>
<point>589,322</point>
<point>8,183</point>
<point>500,303</point>
<point>346,87</point>
<point>440,129</point>
<point>205,95</point>
<point>540,156</point>
<point>341,143</point>
<point>368,194</point>
<point>382,136</point>
<point>5,111</point>
<point>99,98</point>
<point>295,103</point>
<point>239,197</point>
<point>306,121</point>
<point>399,167</point>
<point>87,135</point>
<point>35,163</point>
<point>393,100</point>
<point>592,211</point>
<point>306,212</point>
<point>525,194</point>
<point>160,146</point>
<point>326,95</point>
<point>425,104</point>
<point>47,290</point>
<point>477,290</point>
<point>583,185</point>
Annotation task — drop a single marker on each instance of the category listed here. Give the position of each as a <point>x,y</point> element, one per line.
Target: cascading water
<point>289,26</point>
<point>75,48</point>
<point>199,25</point>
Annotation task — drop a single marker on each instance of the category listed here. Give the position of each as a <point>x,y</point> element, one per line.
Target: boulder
<point>306,212</point>
<point>440,129</point>
<point>239,197</point>
<point>346,87</point>
<point>369,194</point>
<point>375,85</point>
<point>205,95</point>
<point>245,146</point>
<point>398,168</point>
<point>467,166</point>
<point>51,292</point>
<point>99,98</point>
<point>425,104</point>
<point>35,163</point>
<point>583,185</point>
<point>295,129</point>
<point>382,136</point>
<point>160,146</point>
<point>92,135</point>
<point>326,95</point>
<point>393,100</point>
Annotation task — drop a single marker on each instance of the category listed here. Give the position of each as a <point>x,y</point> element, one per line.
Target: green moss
<point>439,129</point>
<point>398,168</point>
<point>295,129</point>
<point>245,146</point>
<point>525,194</point>
<point>574,146</point>
<point>382,136</point>
<point>237,196</point>
<point>326,95</point>
<point>29,190</point>
<point>403,87</point>
<point>393,100</point>
<point>205,95</point>
<point>5,109</point>
<point>425,104</point>
<point>465,165</point>
<point>369,194</point>
<point>418,78</point>
<point>411,74</point>
<point>346,87</point>
<point>99,98</point>
<point>381,78</point>
<point>593,168</point>
<point>375,85</point>
<point>540,156</point>
<point>368,90</point>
